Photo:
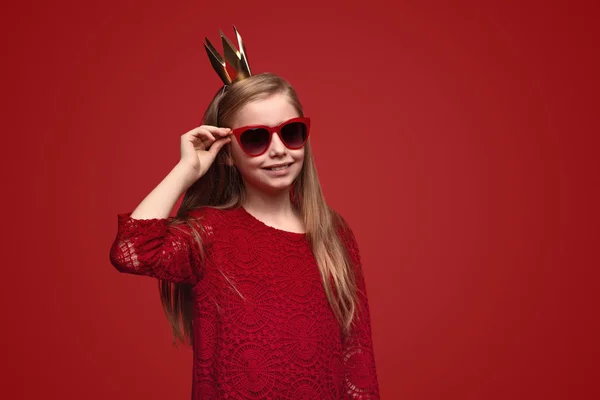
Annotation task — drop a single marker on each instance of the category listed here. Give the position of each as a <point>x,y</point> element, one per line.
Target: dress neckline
<point>272,228</point>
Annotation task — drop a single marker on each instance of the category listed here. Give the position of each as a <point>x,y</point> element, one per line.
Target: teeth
<point>279,168</point>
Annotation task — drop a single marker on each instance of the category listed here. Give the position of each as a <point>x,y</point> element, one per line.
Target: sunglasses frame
<point>237,132</point>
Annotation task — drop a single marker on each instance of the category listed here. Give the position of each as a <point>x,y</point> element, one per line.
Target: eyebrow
<point>285,120</point>
<point>271,126</point>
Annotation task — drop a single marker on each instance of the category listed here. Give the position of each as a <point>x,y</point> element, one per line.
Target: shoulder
<point>201,222</point>
<point>348,240</point>
<point>212,217</point>
<point>341,226</point>
<point>345,233</point>
<point>205,212</point>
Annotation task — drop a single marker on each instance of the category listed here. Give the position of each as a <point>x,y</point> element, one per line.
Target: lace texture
<point>263,328</point>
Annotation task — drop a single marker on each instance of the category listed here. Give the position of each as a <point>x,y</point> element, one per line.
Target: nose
<point>277,148</point>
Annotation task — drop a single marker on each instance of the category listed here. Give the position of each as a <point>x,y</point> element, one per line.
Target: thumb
<point>218,145</point>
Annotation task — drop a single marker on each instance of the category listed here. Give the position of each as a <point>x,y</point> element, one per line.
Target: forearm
<point>161,200</point>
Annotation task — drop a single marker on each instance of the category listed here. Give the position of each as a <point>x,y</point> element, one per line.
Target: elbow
<point>118,265</point>
<point>117,261</point>
<point>123,258</point>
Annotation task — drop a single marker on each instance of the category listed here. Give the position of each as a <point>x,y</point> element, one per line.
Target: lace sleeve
<point>358,358</point>
<point>152,248</point>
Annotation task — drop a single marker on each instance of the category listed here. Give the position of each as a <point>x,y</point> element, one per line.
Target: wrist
<point>184,175</point>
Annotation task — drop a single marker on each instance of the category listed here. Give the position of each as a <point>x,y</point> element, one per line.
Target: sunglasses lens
<point>294,134</point>
<point>255,141</point>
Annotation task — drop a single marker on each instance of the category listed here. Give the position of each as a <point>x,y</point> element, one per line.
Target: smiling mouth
<point>279,168</point>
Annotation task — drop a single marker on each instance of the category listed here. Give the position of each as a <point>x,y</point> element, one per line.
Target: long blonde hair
<point>222,187</point>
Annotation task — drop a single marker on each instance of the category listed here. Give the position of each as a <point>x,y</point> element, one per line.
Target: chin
<point>281,185</point>
<point>272,185</point>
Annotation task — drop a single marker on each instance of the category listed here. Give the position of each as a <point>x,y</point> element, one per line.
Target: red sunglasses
<point>256,139</point>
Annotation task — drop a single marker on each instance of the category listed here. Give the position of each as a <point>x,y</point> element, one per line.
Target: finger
<point>223,132</point>
<point>214,129</point>
<point>204,130</point>
<point>204,136</point>
<point>218,145</point>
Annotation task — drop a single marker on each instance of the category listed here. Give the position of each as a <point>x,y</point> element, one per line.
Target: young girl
<point>255,271</point>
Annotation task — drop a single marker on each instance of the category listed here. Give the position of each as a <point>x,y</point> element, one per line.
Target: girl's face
<point>270,111</point>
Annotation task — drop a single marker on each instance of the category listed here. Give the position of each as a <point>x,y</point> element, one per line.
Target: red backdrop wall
<point>456,138</point>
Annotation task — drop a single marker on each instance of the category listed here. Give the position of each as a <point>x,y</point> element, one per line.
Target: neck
<point>275,204</point>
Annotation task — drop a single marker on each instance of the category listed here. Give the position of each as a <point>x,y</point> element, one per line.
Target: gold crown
<point>236,58</point>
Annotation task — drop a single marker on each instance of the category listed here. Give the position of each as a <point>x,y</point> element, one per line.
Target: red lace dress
<point>263,328</point>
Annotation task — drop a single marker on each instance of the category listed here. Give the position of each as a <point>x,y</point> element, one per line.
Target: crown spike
<point>236,58</point>
<point>242,49</point>
<point>217,62</point>
<point>232,55</point>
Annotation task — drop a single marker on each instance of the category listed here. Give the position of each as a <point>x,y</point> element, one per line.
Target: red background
<point>456,137</point>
